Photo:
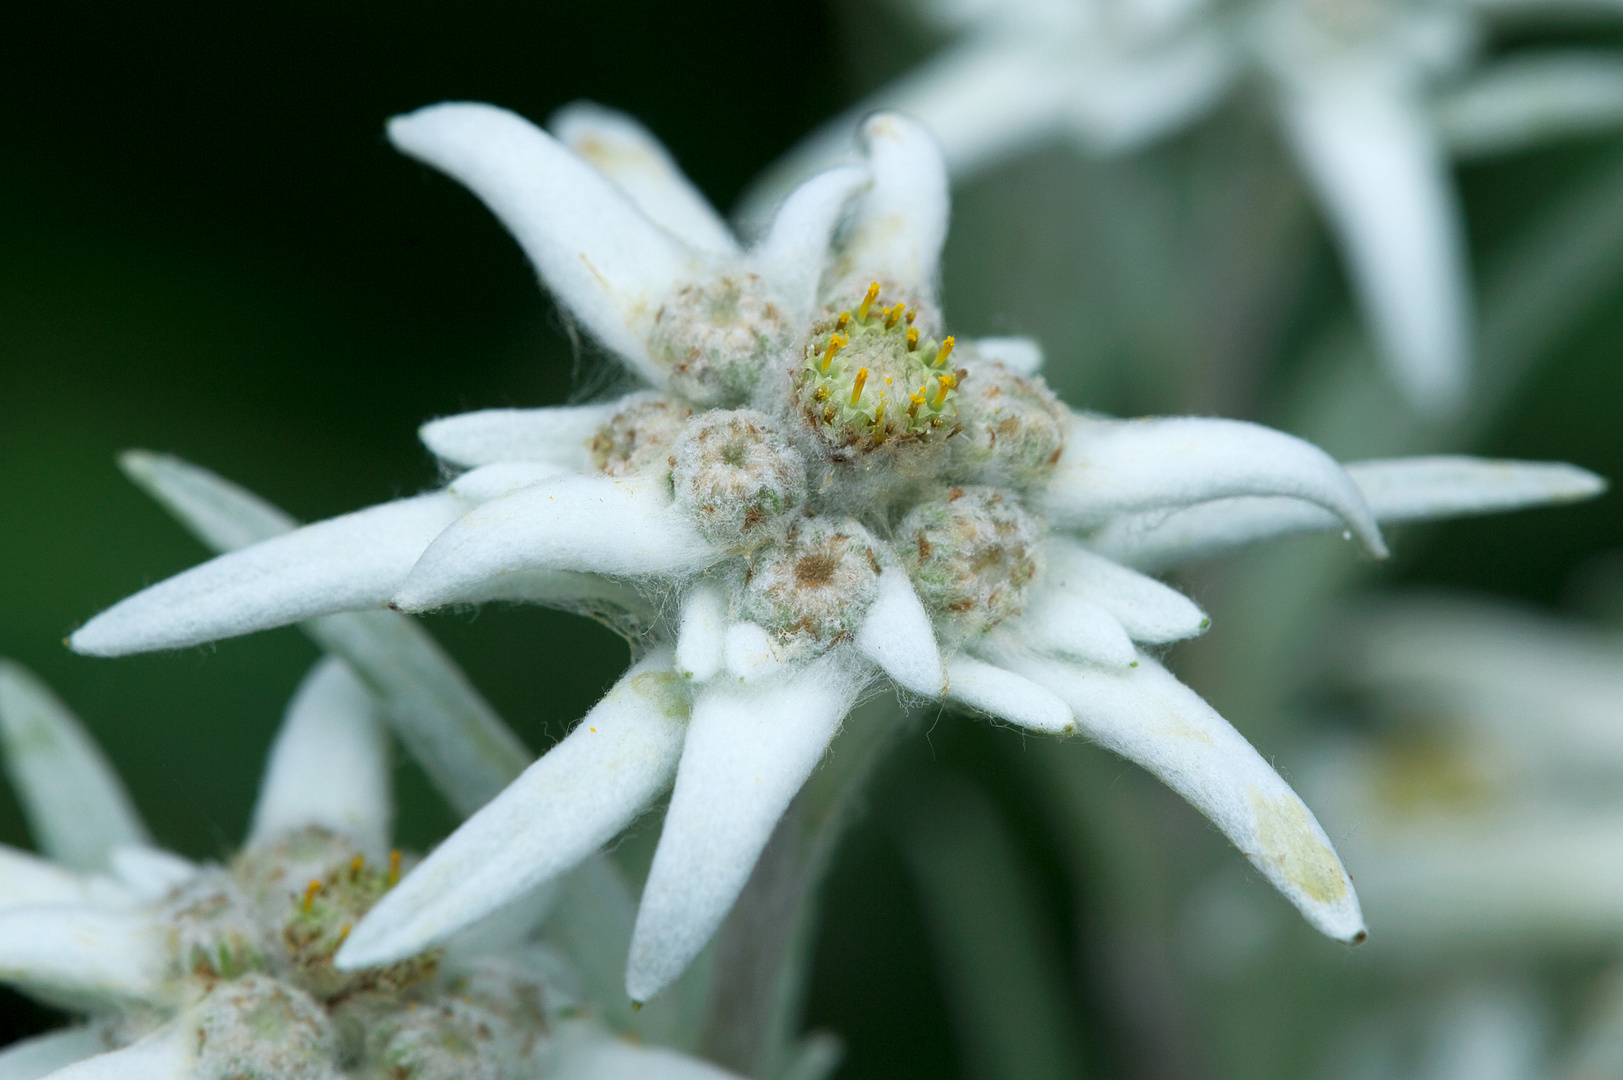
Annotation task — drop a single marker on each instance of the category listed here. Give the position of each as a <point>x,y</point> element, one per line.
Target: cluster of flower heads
<point>1373,97</point>
<point>819,492</point>
<point>186,971</point>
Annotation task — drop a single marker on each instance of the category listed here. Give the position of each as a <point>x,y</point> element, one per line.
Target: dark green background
<point>207,248</point>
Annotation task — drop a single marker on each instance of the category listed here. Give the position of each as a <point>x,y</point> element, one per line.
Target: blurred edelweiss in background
<point>820,492</point>
<point>187,970</point>
<point>1373,97</point>
<point>1481,814</point>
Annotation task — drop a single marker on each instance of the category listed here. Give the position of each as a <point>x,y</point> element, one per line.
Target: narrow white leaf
<point>900,222</point>
<point>83,957</point>
<point>1146,609</point>
<point>345,563</point>
<point>163,1055</point>
<point>1001,693</point>
<point>1383,178</point>
<point>1149,717</point>
<point>75,804</point>
<point>572,801</point>
<point>1114,467</point>
<point>749,749</point>
<point>42,1055</point>
<point>503,478</point>
<point>455,736</point>
<point>329,766</point>
<point>640,166</point>
<point>1066,625</point>
<point>702,634</point>
<point>26,880</point>
<point>1023,356</point>
<point>1532,97</point>
<point>223,515</point>
<point>749,652</point>
<point>578,523</point>
<point>150,873</point>
<point>558,435</point>
<point>595,1057</point>
<point>601,257</point>
<point>1489,668</point>
<point>1398,490</point>
<point>795,252</point>
<point>896,634</point>
<point>983,102</point>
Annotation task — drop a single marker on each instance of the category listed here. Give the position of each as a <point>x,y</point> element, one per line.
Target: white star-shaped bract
<point>188,971</point>
<point>818,495</point>
<point>1372,96</point>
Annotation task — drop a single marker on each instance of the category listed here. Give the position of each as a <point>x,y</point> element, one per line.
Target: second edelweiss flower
<point>822,490</point>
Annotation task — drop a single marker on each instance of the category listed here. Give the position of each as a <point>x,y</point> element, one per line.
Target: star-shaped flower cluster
<point>819,492</point>
<point>185,970</point>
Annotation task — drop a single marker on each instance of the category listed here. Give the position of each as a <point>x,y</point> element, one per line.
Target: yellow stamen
<point>879,413</point>
<point>946,350</point>
<point>835,343</point>
<point>912,335</point>
<point>917,400</point>
<point>867,302</point>
<point>310,895</point>
<point>394,866</point>
<point>842,322</point>
<point>894,314</point>
<point>356,865</point>
<point>911,315</point>
<point>856,387</point>
<point>944,382</point>
<point>343,933</point>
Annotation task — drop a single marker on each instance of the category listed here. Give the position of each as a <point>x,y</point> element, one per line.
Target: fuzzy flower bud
<point>813,586</point>
<point>736,475</point>
<point>258,1028</point>
<point>972,554</point>
<point>1012,427</point>
<point>639,437</point>
<point>716,338</point>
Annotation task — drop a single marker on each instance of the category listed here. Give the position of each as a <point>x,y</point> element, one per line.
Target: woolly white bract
<point>820,492</point>
<point>186,970</point>
<point>1372,98</point>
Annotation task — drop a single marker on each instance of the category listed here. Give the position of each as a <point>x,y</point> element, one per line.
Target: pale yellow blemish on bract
<point>663,689</point>
<point>1286,835</point>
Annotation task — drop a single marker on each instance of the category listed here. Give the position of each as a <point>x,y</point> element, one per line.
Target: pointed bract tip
<point>636,1006</point>
<point>1359,938</point>
<point>137,463</point>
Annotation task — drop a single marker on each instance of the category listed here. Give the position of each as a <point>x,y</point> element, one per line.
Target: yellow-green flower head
<point>868,379</point>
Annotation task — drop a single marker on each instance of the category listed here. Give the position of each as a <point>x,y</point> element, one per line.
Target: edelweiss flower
<point>1370,94</point>
<point>794,513</point>
<point>190,970</point>
<point>1487,811</point>
<point>1478,805</point>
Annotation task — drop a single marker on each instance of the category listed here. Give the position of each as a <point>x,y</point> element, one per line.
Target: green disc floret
<point>868,378</point>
